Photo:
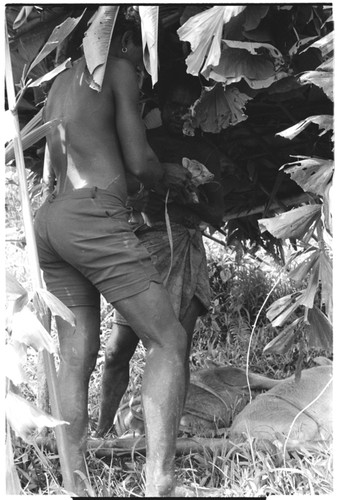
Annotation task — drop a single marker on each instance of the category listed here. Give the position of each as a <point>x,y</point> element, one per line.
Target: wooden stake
<point>61,437</point>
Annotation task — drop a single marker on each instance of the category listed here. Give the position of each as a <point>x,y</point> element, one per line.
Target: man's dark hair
<point>171,80</point>
<point>128,19</point>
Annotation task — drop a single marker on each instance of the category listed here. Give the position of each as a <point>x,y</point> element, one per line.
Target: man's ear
<point>127,37</point>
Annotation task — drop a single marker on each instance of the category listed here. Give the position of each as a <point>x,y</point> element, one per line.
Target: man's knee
<point>80,357</point>
<point>120,346</point>
<point>174,338</point>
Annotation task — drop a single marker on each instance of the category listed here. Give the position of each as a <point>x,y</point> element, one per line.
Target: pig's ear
<point>185,162</point>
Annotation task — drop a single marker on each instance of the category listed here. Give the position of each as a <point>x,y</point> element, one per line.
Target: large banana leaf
<point>324,122</point>
<point>204,33</point>
<point>259,64</point>
<point>149,19</point>
<point>96,43</point>
<point>322,79</point>
<point>313,175</point>
<point>325,44</point>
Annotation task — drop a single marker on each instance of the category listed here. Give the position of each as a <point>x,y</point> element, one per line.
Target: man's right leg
<point>151,316</point>
<point>78,353</point>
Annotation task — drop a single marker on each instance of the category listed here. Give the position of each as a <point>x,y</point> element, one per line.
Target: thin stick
<point>61,436</point>
<point>214,239</point>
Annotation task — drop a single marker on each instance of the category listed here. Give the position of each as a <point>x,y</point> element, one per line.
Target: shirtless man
<point>86,247</point>
<point>188,281</point>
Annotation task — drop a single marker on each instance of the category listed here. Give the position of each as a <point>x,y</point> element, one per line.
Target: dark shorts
<point>86,247</point>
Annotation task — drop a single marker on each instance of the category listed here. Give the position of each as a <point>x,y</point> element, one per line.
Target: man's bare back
<point>85,149</point>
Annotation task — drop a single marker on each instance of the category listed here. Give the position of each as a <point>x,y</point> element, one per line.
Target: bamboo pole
<point>61,437</point>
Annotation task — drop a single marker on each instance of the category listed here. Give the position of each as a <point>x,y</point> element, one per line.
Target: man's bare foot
<point>162,487</point>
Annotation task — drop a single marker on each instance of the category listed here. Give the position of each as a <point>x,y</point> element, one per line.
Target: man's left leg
<point>119,351</point>
<point>188,322</point>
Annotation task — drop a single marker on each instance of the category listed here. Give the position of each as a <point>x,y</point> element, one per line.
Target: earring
<point>124,50</point>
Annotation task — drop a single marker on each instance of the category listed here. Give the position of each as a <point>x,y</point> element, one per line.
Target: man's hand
<point>176,176</point>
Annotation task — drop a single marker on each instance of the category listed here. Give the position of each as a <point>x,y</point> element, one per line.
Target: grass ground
<point>223,337</point>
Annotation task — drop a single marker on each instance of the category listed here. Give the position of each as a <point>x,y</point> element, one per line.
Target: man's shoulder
<point>118,64</point>
<point>119,73</point>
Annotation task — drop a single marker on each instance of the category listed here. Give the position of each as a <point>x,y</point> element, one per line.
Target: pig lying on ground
<point>302,409</point>
<point>217,395</point>
<point>214,396</point>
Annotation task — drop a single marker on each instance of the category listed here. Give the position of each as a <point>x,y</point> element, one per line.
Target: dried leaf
<point>96,43</point>
<point>259,64</point>
<point>324,122</point>
<point>56,307</point>
<point>321,331</point>
<point>58,35</point>
<point>322,79</point>
<point>216,109</point>
<point>149,20</point>
<point>204,32</point>
<point>13,360</point>
<point>284,340</point>
<point>292,224</point>
<point>26,328</point>
<point>25,419</point>
<point>311,174</point>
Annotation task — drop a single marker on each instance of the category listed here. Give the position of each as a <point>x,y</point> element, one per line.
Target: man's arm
<point>139,158</point>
